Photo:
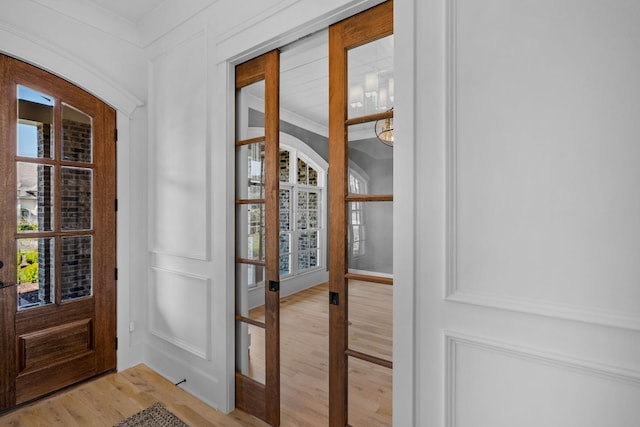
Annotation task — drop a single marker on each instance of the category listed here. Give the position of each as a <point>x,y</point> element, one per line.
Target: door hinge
<point>115,273</point>
<point>334,298</point>
<point>115,135</point>
<point>116,343</point>
<point>274,285</point>
<point>115,205</point>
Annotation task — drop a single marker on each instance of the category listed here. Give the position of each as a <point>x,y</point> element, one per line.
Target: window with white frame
<point>301,215</point>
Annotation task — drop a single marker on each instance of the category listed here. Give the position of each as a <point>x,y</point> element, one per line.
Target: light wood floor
<point>114,397</point>
<point>304,353</point>
<point>304,375</point>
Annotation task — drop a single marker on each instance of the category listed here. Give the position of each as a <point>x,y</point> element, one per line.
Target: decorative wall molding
<point>454,341</point>
<point>169,16</point>
<point>547,308</point>
<point>255,20</point>
<point>453,291</point>
<point>451,147</point>
<point>178,302</point>
<point>199,204</point>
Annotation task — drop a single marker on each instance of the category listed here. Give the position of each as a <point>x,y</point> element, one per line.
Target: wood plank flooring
<point>304,375</point>
<point>304,347</point>
<point>112,398</point>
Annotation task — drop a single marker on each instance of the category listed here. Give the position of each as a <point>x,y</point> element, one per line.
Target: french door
<point>257,234</point>
<point>361,87</point>
<point>57,234</point>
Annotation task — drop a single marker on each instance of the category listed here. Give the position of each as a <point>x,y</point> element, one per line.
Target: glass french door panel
<point>251,231</point>
<point>77,267</point>
<point>35,196</point>
<point>250,351</point>
<point>77,199</point>
<point>249,290</point>
<point>370,394</point>
<point>35,124</point>
<point>370,78</point>
<point>249,109</point>
<point>370,161</point>
<point>250,170</point>
<point>369,230</point>
<point>371,318</point>
<point>35,269</point>
<point>77,135</point>
<point>250,276</point>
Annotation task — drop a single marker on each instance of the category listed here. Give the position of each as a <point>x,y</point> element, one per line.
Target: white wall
<point>527,227</point>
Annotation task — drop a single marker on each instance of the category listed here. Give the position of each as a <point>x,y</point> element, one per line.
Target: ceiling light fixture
<point>384,130</point>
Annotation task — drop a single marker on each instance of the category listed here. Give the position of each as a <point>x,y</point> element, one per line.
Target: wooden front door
<point>361,87</point>
<point>57,234</point>
<point>257,234</point>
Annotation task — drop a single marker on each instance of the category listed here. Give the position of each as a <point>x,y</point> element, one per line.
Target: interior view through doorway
<point>306,233</point>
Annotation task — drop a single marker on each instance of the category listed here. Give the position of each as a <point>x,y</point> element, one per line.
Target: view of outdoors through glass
<point>52,198</point>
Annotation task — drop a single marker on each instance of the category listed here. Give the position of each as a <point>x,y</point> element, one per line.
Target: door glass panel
<point>371,83</point>
<point>35,197</point>
<point>370,229</point>
<point>250,276</point>
<point>251,232</point>
<point>371,318</point>
<point>35,272</point>
<point>76,267</point>
<point>370,161</point>
<point>35,124</point>
<point>250,355</point>
<point>249,293</point>
<point>370,391</point>
<point>76,206</point>
<point>250,171</point>
<point>76,135</point>
<point>249,109</point>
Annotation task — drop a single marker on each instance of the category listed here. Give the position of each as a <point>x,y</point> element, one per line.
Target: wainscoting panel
<point>178,150</point>
<point>491,384</point>
<point>180,310</point>
<point>535,223</point>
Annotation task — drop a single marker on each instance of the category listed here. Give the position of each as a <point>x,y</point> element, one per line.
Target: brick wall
<point>76,196</point>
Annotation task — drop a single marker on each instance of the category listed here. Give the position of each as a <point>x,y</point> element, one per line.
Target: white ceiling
<point>131,10</point>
